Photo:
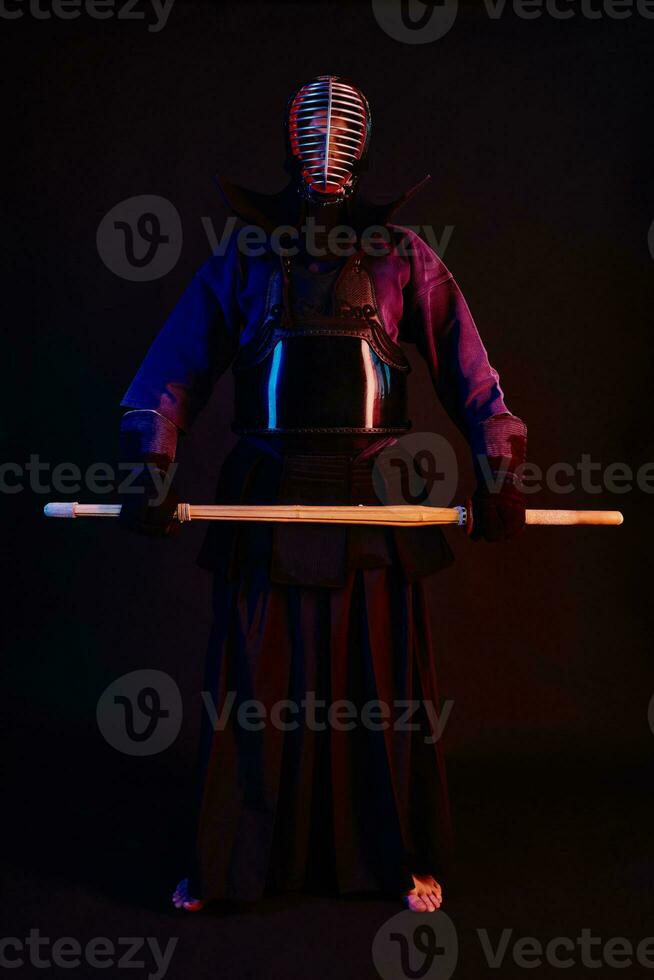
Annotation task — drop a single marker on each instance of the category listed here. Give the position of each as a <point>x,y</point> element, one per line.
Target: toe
<point>429,902</point>
<point>193,905</point>
<point>415,903</point>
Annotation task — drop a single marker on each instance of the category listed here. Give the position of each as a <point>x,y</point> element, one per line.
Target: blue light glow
<point>272,386</point>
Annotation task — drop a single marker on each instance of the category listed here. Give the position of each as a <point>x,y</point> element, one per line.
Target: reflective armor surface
<point>322,363</point>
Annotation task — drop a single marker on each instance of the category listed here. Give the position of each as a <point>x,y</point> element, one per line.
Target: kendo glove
<point>498,506</point>
<point>148,500</point>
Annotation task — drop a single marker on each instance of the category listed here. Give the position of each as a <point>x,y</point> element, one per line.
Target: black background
<point>538,136</point>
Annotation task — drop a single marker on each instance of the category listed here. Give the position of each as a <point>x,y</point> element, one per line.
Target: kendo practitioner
<point>309,615</point>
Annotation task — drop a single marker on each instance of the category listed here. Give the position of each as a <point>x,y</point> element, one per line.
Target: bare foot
<point>183,900</point>
<point>425,896</point>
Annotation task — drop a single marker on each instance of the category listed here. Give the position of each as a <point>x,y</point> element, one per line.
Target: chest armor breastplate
<point>331,371</point>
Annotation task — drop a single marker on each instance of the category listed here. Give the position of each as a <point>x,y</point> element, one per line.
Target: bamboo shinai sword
<point>395,516</point>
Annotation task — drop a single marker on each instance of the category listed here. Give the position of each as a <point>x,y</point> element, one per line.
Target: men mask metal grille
<point>328,129</point>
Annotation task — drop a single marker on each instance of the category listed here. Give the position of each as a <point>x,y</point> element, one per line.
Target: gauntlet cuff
<point>501,436</point>
<point>146,433</point>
